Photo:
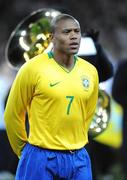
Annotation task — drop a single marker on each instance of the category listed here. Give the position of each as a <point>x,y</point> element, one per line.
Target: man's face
<point>67,36</point>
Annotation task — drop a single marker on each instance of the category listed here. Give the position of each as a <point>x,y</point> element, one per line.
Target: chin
<point>74,52</point>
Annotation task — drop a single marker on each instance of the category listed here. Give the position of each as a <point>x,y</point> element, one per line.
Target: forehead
<point>67,24</point>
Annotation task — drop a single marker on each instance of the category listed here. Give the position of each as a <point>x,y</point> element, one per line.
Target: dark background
<point>108,16</point>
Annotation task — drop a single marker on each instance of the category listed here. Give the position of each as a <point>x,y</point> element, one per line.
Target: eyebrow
<point>70,29</point>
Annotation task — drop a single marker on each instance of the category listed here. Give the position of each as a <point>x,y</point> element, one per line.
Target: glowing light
<point>40,48</point>
<point>26,57</point>
<point>98,130</point>
<point>41,36</point>
<point>104,125</point>
<point>23,33</point>
<point>23,44</point>
<point>98,120</point>
<point>91,126</point>
<point>54,13</point>
<point>47,13</point>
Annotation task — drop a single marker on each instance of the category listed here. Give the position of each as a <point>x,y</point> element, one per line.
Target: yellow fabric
<point>60,104</point>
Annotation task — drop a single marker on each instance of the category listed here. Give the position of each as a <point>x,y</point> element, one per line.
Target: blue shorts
<point>43,164</point>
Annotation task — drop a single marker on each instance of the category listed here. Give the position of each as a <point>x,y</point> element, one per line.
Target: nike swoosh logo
<point>54,84</point>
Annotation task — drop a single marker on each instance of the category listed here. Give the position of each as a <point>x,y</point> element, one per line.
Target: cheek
<point>61,42</point>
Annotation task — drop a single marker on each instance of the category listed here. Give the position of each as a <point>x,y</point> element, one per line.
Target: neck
<point>64,60</point>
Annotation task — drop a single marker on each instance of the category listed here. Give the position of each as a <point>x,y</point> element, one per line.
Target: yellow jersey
<point>60,104</point>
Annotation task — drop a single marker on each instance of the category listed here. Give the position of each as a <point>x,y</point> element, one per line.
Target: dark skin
<point>66,41</point>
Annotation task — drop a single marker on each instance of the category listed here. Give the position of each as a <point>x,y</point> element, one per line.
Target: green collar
<point>50,55</point>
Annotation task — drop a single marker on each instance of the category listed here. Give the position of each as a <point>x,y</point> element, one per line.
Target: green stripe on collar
<point>50,55</point>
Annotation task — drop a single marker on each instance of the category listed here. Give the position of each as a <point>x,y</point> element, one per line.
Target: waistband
<point>63,151</point>
<point>56,150</point>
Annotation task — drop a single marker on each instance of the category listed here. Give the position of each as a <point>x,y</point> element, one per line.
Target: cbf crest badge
<point>85,82</point>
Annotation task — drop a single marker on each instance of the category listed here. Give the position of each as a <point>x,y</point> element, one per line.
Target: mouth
<point>74,45</point>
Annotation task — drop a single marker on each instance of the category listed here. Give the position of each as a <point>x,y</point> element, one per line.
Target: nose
<point>73,35</point>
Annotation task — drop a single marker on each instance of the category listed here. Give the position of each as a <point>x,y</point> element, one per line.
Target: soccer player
<point>59,91</point>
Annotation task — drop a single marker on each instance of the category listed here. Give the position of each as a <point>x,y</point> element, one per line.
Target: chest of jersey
<point>61,97</point>
<point>55,82</point>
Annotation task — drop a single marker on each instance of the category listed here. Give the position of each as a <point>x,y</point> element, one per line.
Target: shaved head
<point>60,18</point>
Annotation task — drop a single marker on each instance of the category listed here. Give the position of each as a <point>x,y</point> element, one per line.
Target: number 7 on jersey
<point>70,99</point>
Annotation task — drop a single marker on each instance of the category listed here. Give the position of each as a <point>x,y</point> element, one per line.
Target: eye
<point>77,30</point>
<point>66,31</point>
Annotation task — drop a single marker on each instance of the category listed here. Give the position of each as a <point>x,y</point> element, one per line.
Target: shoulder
<point>37,60</point>
<point>87,65</point>
<point>34,63</point>
<point>88,70</point>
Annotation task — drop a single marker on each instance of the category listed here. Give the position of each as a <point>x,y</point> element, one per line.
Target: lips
<point>74,45</point>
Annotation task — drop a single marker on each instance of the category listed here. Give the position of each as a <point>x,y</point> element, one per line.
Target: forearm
<point>15,127</point>
<point>19,99</point>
